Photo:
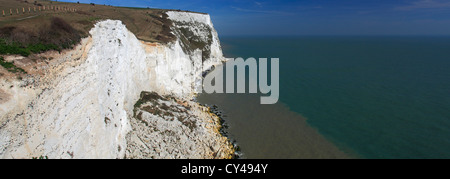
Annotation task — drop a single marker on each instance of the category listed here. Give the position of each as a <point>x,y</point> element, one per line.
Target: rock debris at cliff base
<point>165,127</point>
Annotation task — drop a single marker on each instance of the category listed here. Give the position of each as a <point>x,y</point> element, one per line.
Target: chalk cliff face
<point>83,104</point>
<point>197,49</point>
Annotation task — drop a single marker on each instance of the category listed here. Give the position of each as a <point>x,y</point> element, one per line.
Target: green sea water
<point>375,97</point>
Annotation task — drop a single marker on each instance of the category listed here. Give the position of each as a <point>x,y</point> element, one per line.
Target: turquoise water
<point>380,97</point>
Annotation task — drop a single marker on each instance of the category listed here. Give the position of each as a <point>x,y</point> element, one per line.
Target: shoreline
<point>260,134</point>
<point>223,130</point>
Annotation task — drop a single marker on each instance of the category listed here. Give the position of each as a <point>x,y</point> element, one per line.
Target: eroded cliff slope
<point>83,102</point>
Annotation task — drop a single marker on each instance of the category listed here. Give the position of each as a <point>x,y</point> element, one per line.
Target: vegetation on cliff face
<point>165,34</point>
<point>56,35</point>
<point>10,66</point>
<point>191,40</point>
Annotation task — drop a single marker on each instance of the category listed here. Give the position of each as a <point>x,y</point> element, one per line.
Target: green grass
<point>38,48</point>
<point>13,48</point>
<point>26,50</point>
<point>93,19</point>
<point>10,66</point>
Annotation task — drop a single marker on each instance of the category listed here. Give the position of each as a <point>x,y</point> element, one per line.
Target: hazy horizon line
<point>338,35</point>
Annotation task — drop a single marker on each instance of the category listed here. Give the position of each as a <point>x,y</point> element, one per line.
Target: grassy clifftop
<point>37,26</point>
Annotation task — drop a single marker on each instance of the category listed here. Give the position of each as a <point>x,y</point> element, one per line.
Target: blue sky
<point>312,17</point>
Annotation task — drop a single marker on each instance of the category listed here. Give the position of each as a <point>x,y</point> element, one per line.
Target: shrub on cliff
<point>13,48</point>
<point>10,66</point>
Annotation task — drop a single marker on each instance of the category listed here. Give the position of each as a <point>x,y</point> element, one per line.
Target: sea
<point>343,97</point>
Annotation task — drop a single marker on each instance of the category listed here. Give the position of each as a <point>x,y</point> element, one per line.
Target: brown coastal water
<point>270,131</point>
<point>378,97</point>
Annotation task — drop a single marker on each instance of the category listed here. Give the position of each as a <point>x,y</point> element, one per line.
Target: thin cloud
<point>258,4</point>
<point>425,4</point>
<point>260,11</point>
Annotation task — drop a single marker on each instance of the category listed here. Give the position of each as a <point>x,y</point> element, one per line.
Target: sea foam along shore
<point>84,105</point>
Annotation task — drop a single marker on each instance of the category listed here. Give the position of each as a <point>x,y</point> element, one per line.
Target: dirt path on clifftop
<point>29,17</point>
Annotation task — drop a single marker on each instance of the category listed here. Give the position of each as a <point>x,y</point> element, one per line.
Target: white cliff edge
<point>83,106</point>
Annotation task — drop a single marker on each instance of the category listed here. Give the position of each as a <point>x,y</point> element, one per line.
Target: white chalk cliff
<point>83,106</point>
